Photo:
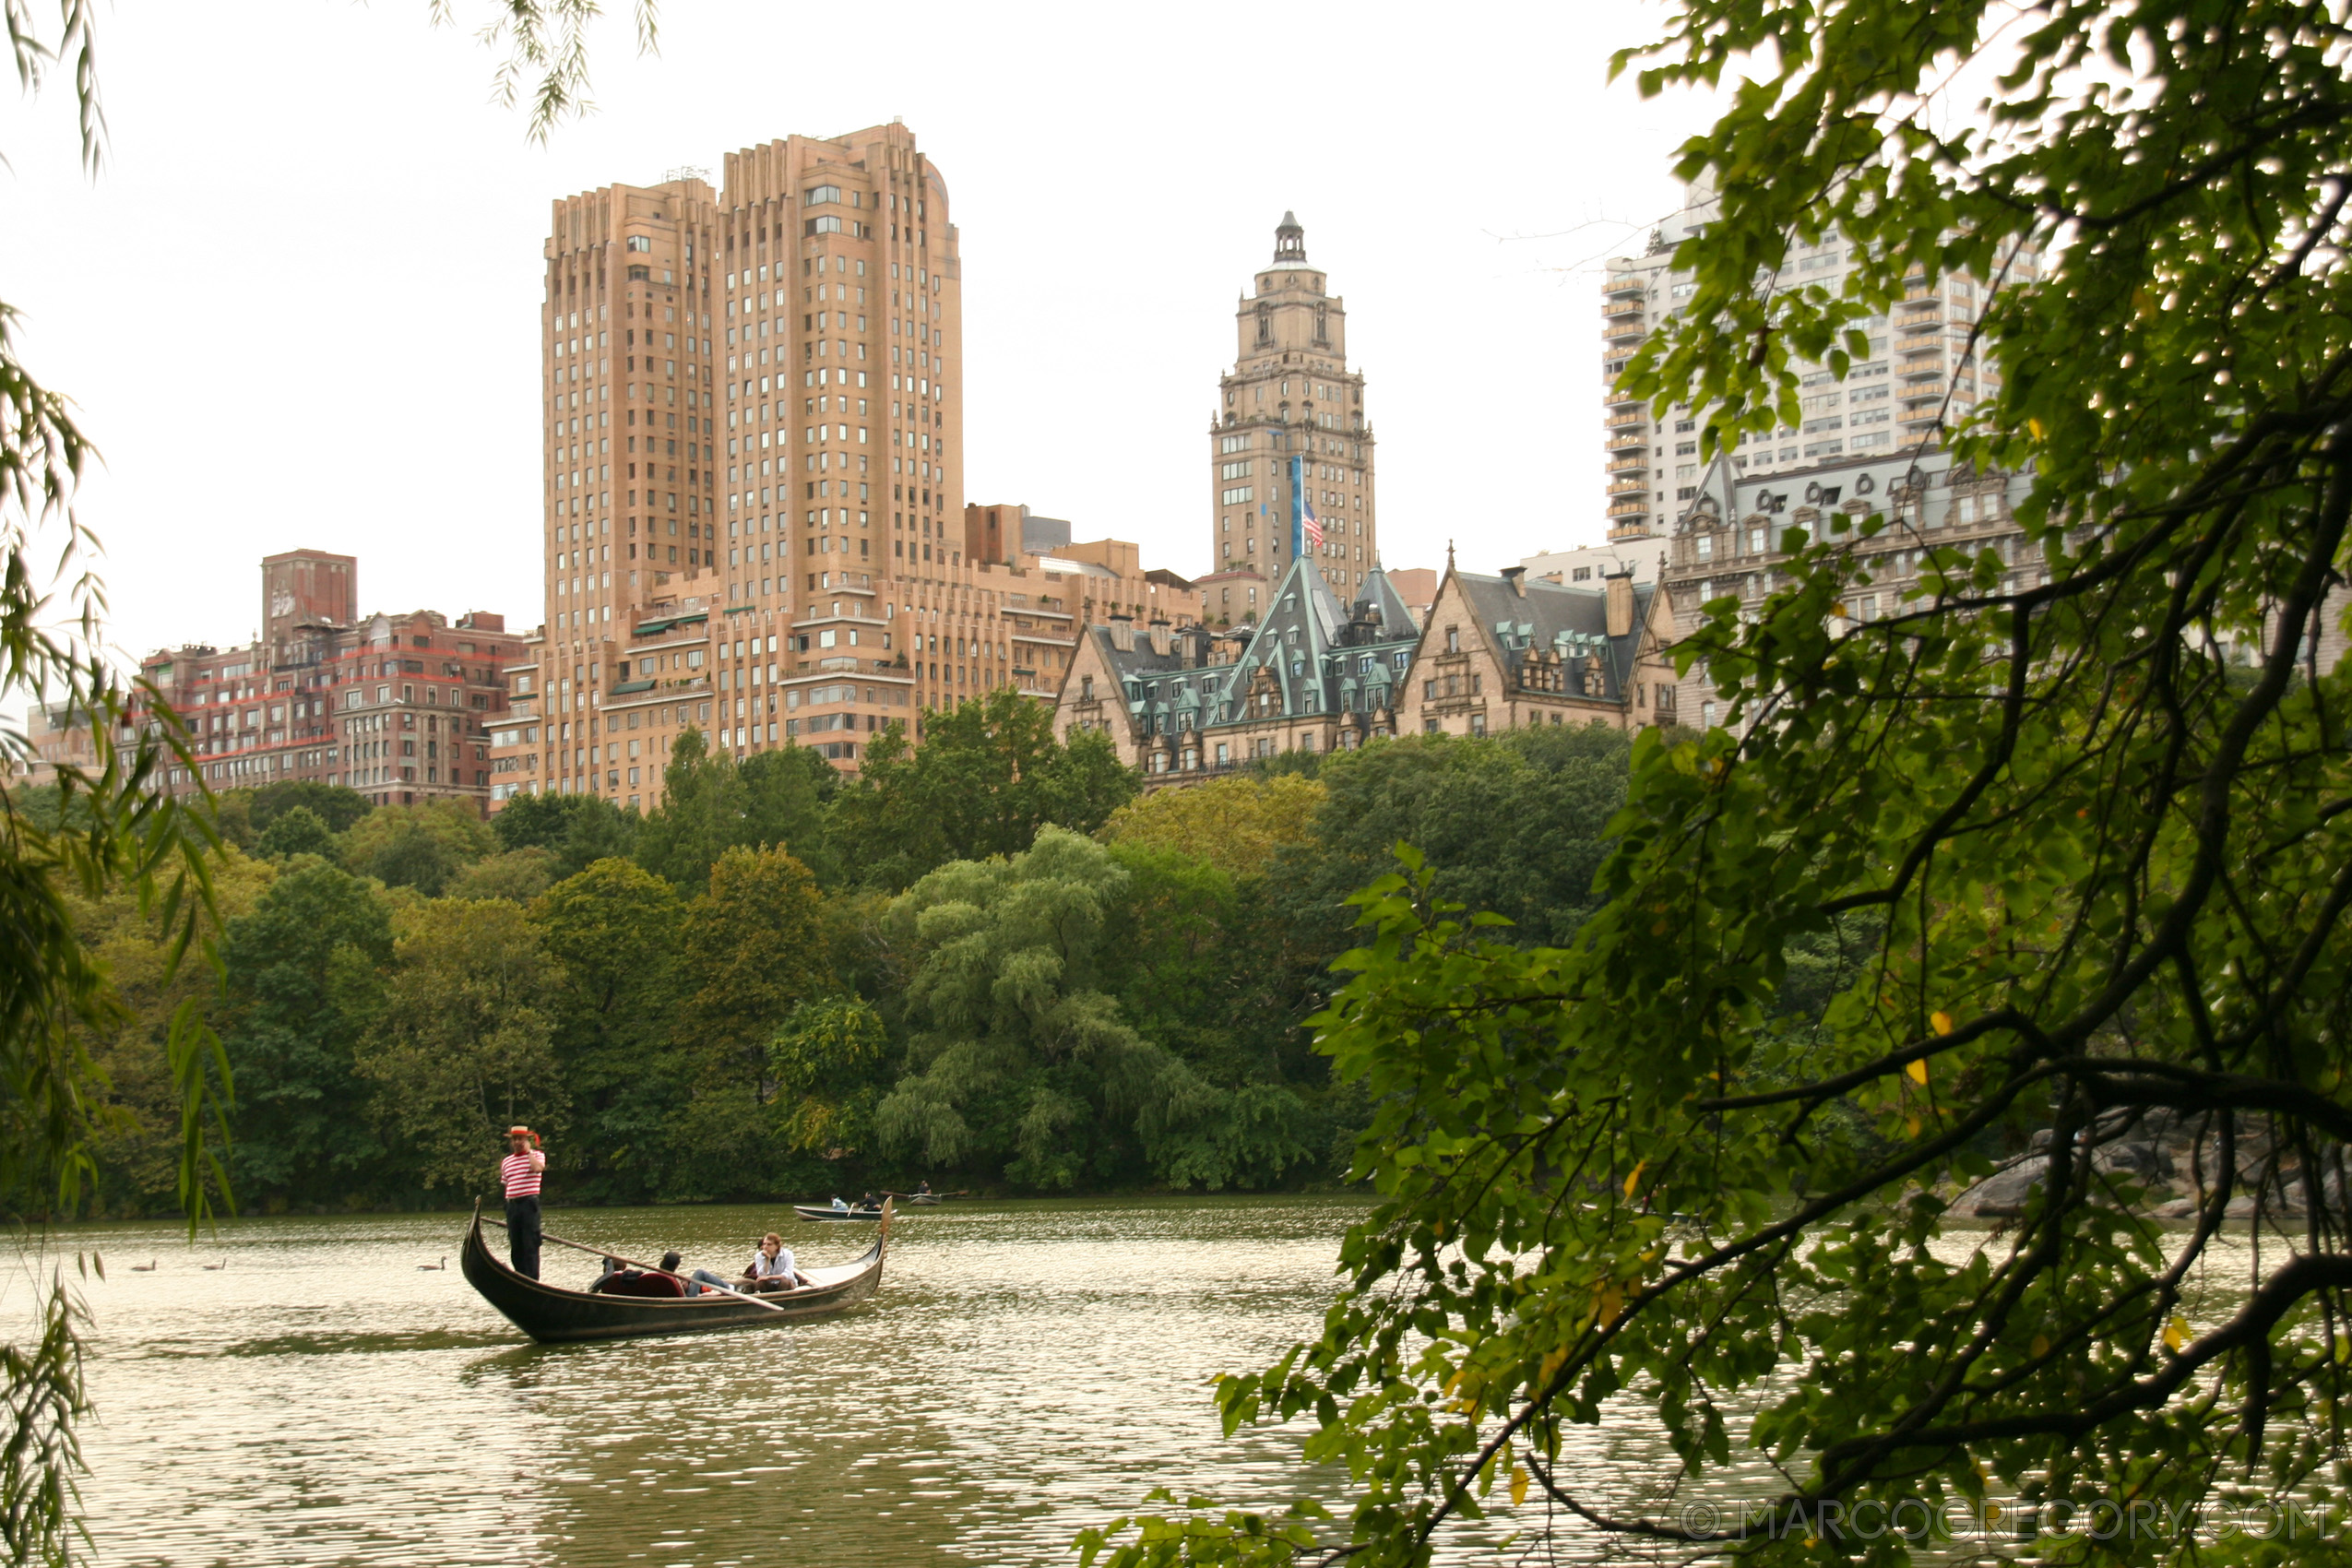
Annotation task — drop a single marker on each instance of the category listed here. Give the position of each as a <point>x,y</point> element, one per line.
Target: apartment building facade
<point>1923,373</point>
<point>753,442</point>
<point>1289,429</point>
<point>1186,703</point>
<point>396,706</point>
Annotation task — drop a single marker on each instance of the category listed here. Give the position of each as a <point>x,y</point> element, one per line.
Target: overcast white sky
<point>299,305</point>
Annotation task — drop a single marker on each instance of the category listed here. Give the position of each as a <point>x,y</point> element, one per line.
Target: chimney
<point>1620,603</point>
<point>1517,577</point>
<point>1159,634</point>
<point>1123,633</point>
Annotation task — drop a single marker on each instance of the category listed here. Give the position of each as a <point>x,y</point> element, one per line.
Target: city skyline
<point>400,331</point>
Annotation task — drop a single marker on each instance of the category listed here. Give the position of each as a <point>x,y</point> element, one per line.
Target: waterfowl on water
<point>429,1267</point>
<point>148,1267</point>
<point>215,1267</point>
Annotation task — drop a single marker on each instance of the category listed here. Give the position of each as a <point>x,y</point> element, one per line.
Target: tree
<point>988,775</point>
<point>2093,811</point>
<point>136,1140</point>
<point>1236,824</point>
<point>616,928</point>
<point>1514,822</point>
<point>420,847</point>
<point>754,950</point>
<point>333,804</point>
<point>828,1061</point>
<point>1020,1065</point>
<point>462,1044</point>
<point>521,875</point>
<point>712,803</point>
<point>300,976</point>
<point>298,831</point>
<point>576,830</point>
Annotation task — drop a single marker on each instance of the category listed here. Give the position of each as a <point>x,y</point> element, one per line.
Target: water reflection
<point>1029,1369</point>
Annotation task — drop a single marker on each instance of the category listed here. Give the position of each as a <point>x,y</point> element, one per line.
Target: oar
<point>649,1269</point>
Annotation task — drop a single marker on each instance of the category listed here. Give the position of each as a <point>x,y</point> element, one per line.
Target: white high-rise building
<point>1921,374</point>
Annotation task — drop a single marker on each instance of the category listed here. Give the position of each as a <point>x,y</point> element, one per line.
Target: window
<point>819,194</point>
<point>1233,470</point>
<point>1233,443</point>
<point>1453,639</point>
<point>826,225</point>
<point>640,242</point>
<point>1239,494</point>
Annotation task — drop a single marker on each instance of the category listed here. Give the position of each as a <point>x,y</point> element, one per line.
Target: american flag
<point>1310,522</point>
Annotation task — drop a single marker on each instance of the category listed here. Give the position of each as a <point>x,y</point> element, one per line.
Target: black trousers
<point>522,1234</point>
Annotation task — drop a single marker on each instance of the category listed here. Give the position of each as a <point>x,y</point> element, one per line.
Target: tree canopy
<point>988,775</point>
<point>2085,827</point>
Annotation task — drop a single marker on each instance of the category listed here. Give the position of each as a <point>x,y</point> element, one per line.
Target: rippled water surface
<point>1026,1370</point>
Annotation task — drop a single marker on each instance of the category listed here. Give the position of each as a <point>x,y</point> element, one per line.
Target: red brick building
<point>396,707</point>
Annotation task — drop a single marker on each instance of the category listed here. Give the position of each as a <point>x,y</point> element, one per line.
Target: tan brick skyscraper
<point>1289,393</point>
<point>753,440</point>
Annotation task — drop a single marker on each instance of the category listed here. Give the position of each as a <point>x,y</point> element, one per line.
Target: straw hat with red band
<point>522,1132</point>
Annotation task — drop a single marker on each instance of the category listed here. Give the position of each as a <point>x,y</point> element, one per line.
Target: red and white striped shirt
<point>520,1173</point>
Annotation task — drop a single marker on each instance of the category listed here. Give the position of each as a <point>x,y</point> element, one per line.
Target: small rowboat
<point>820,1211</point>
<point>553,1314</point>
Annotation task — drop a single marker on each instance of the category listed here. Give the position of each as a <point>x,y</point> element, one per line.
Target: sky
<point>298,304</point>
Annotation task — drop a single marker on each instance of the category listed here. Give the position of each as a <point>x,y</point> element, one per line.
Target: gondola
<point>820,1211</point>
<point>553,1314</point>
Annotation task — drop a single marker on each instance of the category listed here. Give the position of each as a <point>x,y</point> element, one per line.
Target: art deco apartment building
<point>753,443</point>
<point>1922,374</point>
<point>1290,395</point>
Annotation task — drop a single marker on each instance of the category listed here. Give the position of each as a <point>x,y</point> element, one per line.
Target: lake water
<point>1026,1370</point>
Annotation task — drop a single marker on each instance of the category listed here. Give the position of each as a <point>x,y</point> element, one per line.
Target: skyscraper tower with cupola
<point>1289,395</point>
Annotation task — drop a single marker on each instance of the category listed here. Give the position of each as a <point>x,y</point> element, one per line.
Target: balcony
<point>1625,485</point>
<point>1617,443</point>
<point>1630,304</point>
<point>1627,509</point>
<point>1626,285</point>
<point>1631,464</point>
<point>1634,415</point>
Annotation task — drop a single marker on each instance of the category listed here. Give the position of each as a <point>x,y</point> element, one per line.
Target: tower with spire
<point>1288,395</point>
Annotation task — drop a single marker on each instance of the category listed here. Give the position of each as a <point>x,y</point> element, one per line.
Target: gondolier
<point>521,1171</point>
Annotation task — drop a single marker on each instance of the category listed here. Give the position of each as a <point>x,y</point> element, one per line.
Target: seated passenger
<point>615,1274</point>
<point>771,1268</point>
<point>838,1206</point>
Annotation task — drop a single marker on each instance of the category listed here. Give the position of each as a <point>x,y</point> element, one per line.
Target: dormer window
<point>1453,639</point>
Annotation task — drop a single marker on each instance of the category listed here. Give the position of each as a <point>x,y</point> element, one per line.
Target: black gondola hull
<point>554,1315</point>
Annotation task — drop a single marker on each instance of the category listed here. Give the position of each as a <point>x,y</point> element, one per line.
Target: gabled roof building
<point>1500,652</point>
<point>1187,703</point>
<point>1184,704</point>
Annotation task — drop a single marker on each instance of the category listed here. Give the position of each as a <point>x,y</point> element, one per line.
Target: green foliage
<point>712,803</point>
<point>828,1061</point>
<point>1515,823</point>
<point>752,950</point>
<point>517,874</point>
<point>301,979</point>
<point>1236,824</point>
<point>463,1036</point>
<point>136,1136</point>
<point>614,930</point>
<point>2103,866</point>
<point>420,847</point>
<point>988,776</point>
<point>1020,1065</point>
<point>576,830</point>
<point>333,804</point>
<point>299,831</point>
